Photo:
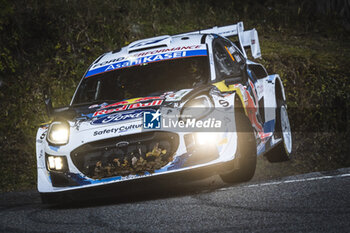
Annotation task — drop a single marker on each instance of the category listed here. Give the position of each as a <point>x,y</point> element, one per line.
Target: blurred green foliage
<point>48,45</point>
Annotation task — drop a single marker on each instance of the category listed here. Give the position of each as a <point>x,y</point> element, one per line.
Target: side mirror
<point>48,104</point>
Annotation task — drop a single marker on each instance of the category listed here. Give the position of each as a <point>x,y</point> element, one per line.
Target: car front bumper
<point>185,159</point>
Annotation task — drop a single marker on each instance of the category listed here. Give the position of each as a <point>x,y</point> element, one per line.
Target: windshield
<point>144,80</point>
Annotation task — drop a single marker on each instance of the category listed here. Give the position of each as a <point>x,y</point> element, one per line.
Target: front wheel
<point>246,152</point>
<point>283,131</point>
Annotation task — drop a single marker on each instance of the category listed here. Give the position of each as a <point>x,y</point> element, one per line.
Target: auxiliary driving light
<point>56,163</point>
<point>58,133</point>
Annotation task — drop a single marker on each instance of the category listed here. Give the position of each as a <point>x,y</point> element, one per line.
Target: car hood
<point>108,112</point>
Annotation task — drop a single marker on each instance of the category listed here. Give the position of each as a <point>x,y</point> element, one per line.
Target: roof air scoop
<point>149,43</point>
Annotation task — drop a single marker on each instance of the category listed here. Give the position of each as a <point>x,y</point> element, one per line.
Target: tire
<point>281,152</point>
<point>246,154</point>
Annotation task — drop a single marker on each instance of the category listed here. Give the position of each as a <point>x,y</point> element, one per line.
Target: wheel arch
<point>279,89</point>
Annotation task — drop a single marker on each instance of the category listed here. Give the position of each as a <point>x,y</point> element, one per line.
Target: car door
<point>231,66</point>
<point>258,73</point>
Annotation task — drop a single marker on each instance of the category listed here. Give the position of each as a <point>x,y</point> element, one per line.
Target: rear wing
<point>246,38</point>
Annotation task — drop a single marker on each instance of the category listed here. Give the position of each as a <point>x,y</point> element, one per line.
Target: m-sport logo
<point>151,120</point>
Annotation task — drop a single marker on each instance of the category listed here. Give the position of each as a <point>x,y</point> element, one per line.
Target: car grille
<point>126,155</point>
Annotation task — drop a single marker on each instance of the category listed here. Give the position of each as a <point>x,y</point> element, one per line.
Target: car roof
<point>152,44</point>
<point>170,47</point>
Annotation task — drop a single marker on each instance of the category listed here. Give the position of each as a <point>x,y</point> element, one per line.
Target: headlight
<point>58,133</point>
<point>205,138</point>
<point>198,108</point>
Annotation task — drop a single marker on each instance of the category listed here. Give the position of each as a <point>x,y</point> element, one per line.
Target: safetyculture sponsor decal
<point>116,130</point>
<point>117,117</point>
<point>132,61</point>
<point>128,107</point>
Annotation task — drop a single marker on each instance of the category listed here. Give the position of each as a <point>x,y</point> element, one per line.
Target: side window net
<point>226,63</point>
<point>223,64</point>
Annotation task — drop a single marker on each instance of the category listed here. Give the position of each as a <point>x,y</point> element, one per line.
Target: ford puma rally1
<point>164,106</point>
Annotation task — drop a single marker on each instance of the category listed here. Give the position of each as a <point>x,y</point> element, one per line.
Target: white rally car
<point>137,112</point>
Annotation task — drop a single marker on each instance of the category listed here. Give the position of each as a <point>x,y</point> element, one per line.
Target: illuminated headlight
<point>58,133</point>
<point>197,108</point>
<point>206,138</point>
<point>56,163</point>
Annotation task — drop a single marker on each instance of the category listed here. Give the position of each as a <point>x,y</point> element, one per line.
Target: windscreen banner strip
<point>147,59</point>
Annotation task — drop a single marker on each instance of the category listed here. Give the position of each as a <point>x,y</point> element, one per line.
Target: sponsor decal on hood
<point>128,107</point>
<point>132,104</point>
<point>117,117</point>
<point>132,101</point>
<point>116,130</point>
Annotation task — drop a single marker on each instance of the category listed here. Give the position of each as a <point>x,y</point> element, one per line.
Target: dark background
<point>48,45</point>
